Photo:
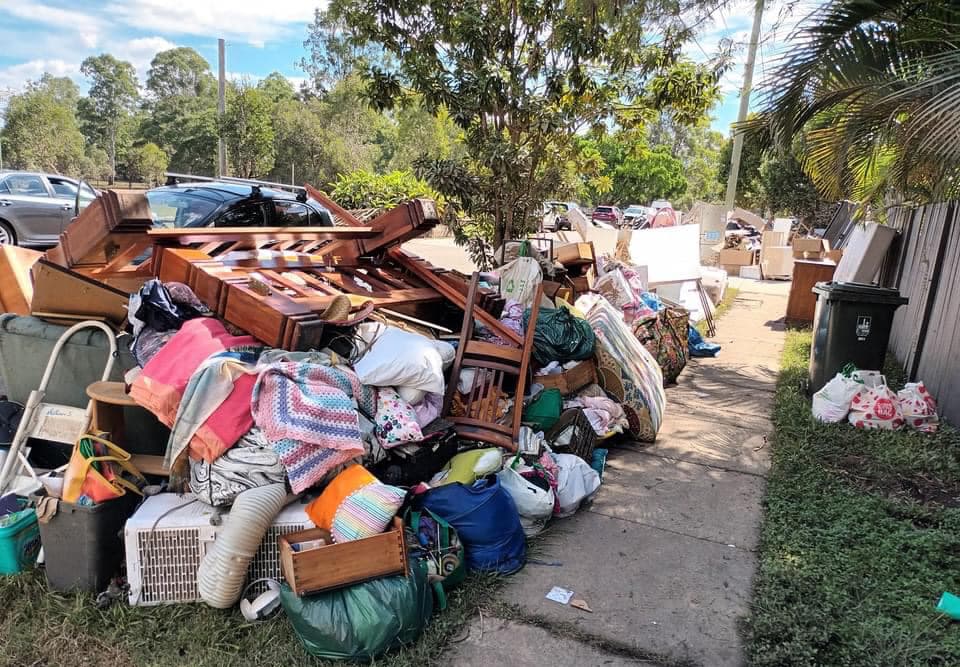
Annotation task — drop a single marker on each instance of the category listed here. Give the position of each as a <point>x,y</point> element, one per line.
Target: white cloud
<point>51,16</point>
<point>139,52</point>
<point>246,20</point>
<point>15,77</point>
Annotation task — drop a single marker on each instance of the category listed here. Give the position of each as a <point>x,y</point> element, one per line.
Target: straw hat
<point>338,310</point>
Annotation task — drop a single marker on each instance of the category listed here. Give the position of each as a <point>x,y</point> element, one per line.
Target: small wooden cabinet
<point>803,302</point>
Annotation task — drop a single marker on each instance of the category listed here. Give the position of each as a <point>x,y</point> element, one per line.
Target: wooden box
<point>575,253</point>
<point>581,285</point>
<point>570,380</point>
<point>337,565</point>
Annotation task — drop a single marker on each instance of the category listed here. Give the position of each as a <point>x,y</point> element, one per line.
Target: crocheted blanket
<point>308,413</point>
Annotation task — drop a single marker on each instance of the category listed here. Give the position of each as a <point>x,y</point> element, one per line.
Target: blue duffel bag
<point>487,521</point>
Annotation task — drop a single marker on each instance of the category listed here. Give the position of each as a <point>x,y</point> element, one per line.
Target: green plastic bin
<point>19,542</point>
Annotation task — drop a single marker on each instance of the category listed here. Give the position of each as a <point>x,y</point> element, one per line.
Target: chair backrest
<point>495,367</point>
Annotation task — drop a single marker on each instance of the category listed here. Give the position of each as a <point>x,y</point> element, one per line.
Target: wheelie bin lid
<point>835,291</point>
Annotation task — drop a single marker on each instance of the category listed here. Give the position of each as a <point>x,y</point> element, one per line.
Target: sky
<point>56,35</point>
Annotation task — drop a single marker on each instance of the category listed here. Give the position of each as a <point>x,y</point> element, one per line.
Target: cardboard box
<point>731,257</point>
<point>752,272</point>
<point>777,262</point>
<point>575,253</point>
<point>774,239</point>
<point>810,248</point>
<point>834,255</point>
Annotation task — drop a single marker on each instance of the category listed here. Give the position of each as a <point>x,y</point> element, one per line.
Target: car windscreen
<point>172,208</point>
<point>604,209</point>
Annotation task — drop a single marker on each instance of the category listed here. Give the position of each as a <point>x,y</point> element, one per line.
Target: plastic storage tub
<point>19,542</point>
<point>83,545</point>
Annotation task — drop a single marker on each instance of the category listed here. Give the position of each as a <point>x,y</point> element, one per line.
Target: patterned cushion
<point>396,420</point>
<point>366,512</point>
<point>322,510</point>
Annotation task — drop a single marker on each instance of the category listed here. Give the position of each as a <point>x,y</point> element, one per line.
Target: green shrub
<point>363,189</point>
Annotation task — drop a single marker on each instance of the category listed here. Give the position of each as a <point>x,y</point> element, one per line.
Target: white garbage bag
<point>576,482</point>
<point>832,403</point>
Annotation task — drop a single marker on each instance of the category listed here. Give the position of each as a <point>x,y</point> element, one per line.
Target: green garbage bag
<point>560,336</point>
<point>363,621</point>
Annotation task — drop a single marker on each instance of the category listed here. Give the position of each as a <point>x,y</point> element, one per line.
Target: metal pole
<point>293,181</point>
<point>221,107</point>
<point>744,106</point>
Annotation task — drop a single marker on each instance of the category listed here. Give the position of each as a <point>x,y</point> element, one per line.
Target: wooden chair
<point>493,364</point>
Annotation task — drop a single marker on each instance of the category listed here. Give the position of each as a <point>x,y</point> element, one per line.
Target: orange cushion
<point>322,510</point>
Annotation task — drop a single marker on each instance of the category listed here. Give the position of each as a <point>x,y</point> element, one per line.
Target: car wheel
<point>7,235</point>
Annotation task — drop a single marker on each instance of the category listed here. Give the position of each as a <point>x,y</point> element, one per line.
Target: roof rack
<point>174,178</point>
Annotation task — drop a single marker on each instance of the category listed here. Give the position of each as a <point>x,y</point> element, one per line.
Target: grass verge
<point>729,295</point>
<point>861,535</point>
<point>40,628</point>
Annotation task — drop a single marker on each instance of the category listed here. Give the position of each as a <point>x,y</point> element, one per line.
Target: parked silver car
<point>35,208</point>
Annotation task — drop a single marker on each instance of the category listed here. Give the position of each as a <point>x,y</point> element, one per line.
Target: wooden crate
<point>337,565</point>
<point>570,380</point>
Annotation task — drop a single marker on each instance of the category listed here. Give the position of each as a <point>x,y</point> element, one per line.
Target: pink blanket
<point>160,386</point>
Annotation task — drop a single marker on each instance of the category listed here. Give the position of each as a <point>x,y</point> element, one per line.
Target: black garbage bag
<point>560,336</point>
<point>160,311</point>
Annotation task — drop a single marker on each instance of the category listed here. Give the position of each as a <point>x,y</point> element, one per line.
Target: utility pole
<point>744,106</point>
<point>221,107</point>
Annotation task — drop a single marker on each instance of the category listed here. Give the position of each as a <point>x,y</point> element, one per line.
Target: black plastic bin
<point>83,545</point>
<point>851,325</point>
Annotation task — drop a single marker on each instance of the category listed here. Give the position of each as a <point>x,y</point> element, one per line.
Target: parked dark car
<point>36,207</point>
<point>233,204</point>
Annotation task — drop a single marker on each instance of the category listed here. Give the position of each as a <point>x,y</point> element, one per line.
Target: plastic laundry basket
<point>19,543</point>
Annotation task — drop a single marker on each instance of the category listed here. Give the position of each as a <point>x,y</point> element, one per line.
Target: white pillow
<point>401,359</point>
<point>410,395</point>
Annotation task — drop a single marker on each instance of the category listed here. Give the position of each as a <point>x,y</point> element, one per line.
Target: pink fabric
<point>224,428</point>
<point>160,386</point>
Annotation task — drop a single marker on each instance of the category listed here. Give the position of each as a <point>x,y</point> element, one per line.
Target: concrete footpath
<point>665,554</point>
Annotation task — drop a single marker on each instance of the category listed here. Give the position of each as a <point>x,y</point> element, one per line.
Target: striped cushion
<point>366,512</point>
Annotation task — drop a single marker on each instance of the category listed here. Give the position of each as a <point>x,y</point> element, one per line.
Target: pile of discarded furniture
<point>310,418</point>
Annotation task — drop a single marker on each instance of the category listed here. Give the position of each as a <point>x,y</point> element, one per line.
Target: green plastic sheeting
<point>363,621</point>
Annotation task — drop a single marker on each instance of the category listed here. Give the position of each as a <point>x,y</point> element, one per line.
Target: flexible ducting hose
<point>223,570</point>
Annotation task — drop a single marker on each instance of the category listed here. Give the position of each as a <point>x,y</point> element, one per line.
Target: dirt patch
<point>919,488</point>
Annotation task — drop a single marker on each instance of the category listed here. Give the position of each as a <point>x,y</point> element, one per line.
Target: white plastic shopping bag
<point>534,505</point>
<point>918,407</point>
<point>876,406</point>
<point>576,482</point>
<point>519,279</point>
<point>832,403</point>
